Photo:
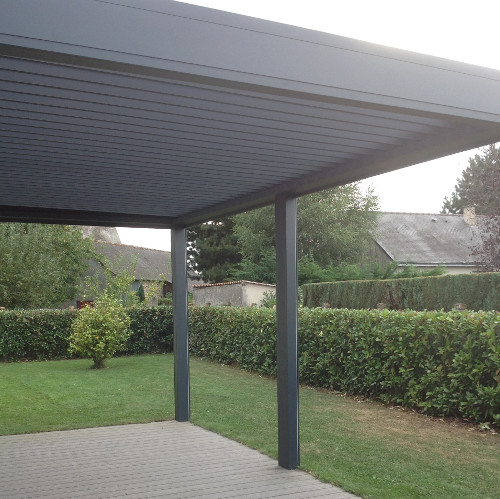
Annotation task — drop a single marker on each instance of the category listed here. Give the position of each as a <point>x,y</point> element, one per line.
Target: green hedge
<point>152,330</point>
<point>478,291</point>
<point>43,334</point>
<point>34,334</point>
<point>445,364</point>
<point>229,335</point>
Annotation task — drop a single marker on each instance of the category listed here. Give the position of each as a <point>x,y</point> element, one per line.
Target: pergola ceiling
<point>160,114</point>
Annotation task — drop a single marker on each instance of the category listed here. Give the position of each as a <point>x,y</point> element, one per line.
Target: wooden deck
<point>166,459</point>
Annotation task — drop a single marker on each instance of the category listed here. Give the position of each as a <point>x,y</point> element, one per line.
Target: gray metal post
<point>181,345</point>
<point>286,310</point>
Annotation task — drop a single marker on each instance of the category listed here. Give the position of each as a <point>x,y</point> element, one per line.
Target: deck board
<point>164,459</point>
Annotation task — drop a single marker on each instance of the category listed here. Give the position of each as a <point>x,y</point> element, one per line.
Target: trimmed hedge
<point>152,330</point>
<point>445,364</point>
<point>242,336</point>
<point>34,334</point>
<point>43,334</point>
<point>478,291</point>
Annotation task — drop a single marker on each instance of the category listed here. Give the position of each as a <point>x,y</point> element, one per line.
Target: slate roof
<point>419,238</point>
<point>150,263</point>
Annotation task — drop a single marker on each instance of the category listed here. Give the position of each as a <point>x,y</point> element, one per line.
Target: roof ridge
<point>132,246</point>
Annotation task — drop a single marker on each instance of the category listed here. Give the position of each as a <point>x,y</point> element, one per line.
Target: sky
<point>461,31</point>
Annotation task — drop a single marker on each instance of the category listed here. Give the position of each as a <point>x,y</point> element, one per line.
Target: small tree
<point>98,332</point>
<point>141,297</point>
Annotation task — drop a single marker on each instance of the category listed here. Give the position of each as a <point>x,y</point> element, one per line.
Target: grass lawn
<point>363,447</point>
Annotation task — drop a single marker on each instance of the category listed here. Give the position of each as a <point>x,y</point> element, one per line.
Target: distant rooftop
<point>419,238</point>
<point>150,264</point>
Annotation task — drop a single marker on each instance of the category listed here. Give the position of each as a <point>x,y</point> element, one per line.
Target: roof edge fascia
<point>33,214</point>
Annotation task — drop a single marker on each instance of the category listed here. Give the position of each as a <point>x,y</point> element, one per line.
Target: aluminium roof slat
<point>186,160</point>
<point>212,182</point>
<point>256,132</point>
<point>65,137</point>
<point>177,171</point>
<point>206,156</point>
<point>109,190</point>
<point>159,167</point>
<point>90,82</point>
<point>101,194</point>
<point>158,206</point>
<point>84,130</point>
<point>241,124</point>
<point>105,192</point>
<point>77,78</point>
<point>153,110</point>
<point>333,145</point>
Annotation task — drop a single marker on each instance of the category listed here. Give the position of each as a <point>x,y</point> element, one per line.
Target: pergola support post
<point>287,342</point>
<point>181,337</point>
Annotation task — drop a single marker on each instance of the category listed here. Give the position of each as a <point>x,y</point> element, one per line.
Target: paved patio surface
<point>166,459</point>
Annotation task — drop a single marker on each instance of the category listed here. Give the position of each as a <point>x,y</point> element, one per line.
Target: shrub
<point>152,330</point>
<point>98,332</point>
<point>445,364</point>
<point>478,291</point>
<point>34,334</point>
<point>242,336</point>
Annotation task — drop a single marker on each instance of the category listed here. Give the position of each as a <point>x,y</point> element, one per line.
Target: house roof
<point>158,114</point>
<point>418,238</point>
<point>147,264</point>
<point>232,283</point>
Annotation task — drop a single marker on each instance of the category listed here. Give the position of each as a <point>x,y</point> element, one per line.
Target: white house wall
<point>239,294</point>
<point>254,293</point>
<point>229,294</point>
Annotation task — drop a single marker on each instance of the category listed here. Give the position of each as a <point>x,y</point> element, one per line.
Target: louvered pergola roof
<point>159,114</point>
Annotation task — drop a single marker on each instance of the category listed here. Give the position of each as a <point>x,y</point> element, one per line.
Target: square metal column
<point>181,337</point>
<point>286,311</point>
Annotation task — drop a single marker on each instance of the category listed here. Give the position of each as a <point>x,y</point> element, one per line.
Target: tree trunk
<point>98,364</point>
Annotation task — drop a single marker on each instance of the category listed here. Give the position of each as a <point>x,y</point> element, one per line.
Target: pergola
<point>155,113</point>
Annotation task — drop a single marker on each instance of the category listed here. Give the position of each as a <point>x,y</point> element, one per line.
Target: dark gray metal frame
<point>197,114</point>
<point>181,331</point>
<point>287,332</point>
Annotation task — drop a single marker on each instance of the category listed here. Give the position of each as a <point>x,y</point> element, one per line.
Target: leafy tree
<point>334,225</point>
<point>332,228</point>
<point>213,250</point>
<point>260,269</point>
<point>479,187</point>
<point>40,265</point>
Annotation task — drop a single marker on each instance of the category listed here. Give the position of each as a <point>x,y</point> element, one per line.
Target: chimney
<point>470,215</point>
